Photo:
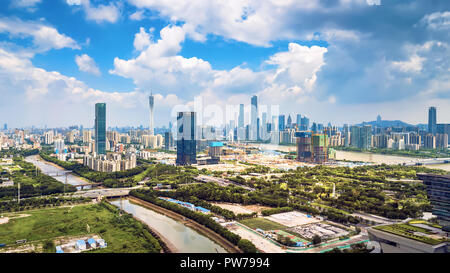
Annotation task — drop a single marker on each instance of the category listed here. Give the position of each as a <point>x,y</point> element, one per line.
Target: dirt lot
<point>237,208</point>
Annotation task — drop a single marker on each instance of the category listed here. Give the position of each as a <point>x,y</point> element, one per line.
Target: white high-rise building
<point>49,137</point>
<point>151,101</point>
<point>254,119</point>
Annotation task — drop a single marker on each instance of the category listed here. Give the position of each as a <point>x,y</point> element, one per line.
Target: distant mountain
<point>387,123</point>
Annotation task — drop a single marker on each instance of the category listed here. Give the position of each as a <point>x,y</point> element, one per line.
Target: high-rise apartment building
<point>87,136</point>
<point>443,128</point>
<point>186,138</point>
<point>49,137</point>
<point>100,128</point>
<point>441,141</point>
<point>361,137</point>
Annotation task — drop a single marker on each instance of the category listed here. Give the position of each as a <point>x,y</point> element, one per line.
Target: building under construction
<point>312,147</point>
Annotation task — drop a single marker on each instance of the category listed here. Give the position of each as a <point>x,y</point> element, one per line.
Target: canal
<point>183,238</point>
<point>47,167</point>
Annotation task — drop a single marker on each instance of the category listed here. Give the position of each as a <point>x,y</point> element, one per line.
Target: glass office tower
<point>100,128</point>
<point>186,141</point>
<point>438,191</point>
<point>432,120</point>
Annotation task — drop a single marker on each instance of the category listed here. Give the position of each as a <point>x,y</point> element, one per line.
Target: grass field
<point>262,223</point>
<point>123,234</point>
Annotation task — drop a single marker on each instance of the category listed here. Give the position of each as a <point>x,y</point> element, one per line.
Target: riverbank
<point>42,160</point>
<point>231,248</point>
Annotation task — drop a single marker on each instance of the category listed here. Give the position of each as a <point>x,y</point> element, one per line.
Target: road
<point>106,192</point>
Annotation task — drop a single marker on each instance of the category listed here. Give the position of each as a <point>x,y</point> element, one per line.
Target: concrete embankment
<point>231,248</point>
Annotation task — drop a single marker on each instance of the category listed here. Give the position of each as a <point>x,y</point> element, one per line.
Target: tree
<point>247,246</point>
<point>316,240</point>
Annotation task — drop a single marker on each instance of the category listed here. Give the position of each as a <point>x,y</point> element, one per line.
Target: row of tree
<point>33,203</point>
<point>149,196</point>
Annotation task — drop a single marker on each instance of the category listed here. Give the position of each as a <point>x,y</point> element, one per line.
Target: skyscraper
<point>432,120</point>
<point>299,121</point>
<point>289,121</point>
<point>437,190</point>
<point>281,123</point>
<point>305,123</point>
<point>241,129</point>
<point>151,104</point>
<point>186,141</point>
<point>361,137</point>
<point>100,128</point>
<point>254,119</point>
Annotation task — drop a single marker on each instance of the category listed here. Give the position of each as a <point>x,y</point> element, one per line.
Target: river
<point>359,156</point>
<point>47,167</point>
<point>183,238</point>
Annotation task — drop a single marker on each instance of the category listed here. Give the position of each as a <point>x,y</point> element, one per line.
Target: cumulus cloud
<point>244,20</point>
<point>142,39</point>
<point>287,76</point>
<point>102,13</point>
<point>437,20</point>
<point>87,64</point>
<point>42,95</point>
<point>44,37</point>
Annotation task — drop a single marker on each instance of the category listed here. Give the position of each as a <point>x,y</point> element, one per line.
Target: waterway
<point>183,238</point>
<point>49,168</point>
<point>361,157</point>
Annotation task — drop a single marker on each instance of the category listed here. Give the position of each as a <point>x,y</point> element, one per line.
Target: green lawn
<point>405,231</point>
<point>262,223</point>
<point>123,234</point>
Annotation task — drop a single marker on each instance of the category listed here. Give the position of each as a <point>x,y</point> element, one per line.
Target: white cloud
<point>142,39</point>
<point>101,13</point>
<point>414,64</point>
<point>44,96</point>
<point>286,76</point>
<point>244,20</point>
<point>137,16</point>
<point>29,4</point>
<point>87,64</point>
<point>437,20</point>
<point>44,37</point>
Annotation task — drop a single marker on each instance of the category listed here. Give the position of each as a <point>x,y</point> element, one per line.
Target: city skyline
<point>54,65</point>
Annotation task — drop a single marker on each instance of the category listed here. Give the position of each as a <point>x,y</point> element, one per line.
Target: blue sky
<point>340,61</point>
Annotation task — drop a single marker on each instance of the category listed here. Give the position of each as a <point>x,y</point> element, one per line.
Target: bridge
<point>108,193</point>
<point>86,186</point>
<point>58,173</point>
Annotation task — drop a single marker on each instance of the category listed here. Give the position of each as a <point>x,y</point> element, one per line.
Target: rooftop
<point>418,230</point>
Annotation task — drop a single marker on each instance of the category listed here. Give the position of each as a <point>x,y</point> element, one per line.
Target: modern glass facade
<point>438,190</point>
<point>186,142</point>
<point>100,128</point>
<point>281,123</point>
<point>432,120</point>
